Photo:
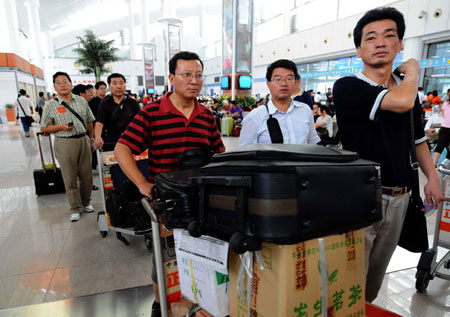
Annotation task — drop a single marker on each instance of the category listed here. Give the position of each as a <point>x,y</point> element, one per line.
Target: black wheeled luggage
<point>175,197</point>
<point>48,180</point>
<point>285,194</point>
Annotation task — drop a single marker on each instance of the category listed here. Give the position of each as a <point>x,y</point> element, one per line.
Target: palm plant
<point>94,54</point>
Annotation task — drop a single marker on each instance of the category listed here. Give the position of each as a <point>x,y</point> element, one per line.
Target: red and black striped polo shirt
<point>166,132</point>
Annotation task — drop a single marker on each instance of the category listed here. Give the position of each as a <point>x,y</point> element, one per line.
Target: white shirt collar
<point>273,109</point>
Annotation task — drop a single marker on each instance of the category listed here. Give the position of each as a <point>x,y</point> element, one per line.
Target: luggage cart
<point>428,267</point>
<point>103,220</point>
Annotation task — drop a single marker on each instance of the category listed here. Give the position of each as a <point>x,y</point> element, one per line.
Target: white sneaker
<point>88,209</point>
<point>75,217</point>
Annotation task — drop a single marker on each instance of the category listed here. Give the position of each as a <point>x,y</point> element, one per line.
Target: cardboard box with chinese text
<point>290,284</point>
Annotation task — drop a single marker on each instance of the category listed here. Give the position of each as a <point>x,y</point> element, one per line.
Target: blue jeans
<point>25,125</point>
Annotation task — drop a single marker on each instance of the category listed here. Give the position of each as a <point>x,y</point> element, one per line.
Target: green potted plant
<point>246,103</point>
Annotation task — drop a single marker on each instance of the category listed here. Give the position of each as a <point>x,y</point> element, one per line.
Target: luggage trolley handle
<point>158,255</point>
<point>443,168</point>
<point>38,134</point>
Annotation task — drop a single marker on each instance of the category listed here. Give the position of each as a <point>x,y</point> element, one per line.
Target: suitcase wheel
<point>422,279</point>
<point>241,243</point>
<point>195,229</point>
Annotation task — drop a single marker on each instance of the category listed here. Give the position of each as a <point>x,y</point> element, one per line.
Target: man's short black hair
<point>89,86</point>
<point>99,83</point>
<point>115,75</point>
<point>61,74</point>
<point>448,90</point>
<point>233,102</point>
<point>378,14</point>
<point>22,92</point>
<point>78,89</point>
<point>184,55</point>
<point>282,63</point>
<point>41,94</point>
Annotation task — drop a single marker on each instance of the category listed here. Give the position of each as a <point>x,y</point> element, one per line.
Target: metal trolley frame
<point>428,267</point>
<point>102,217</point>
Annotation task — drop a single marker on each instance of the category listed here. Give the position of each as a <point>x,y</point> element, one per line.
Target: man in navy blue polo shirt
<point>372,111</point>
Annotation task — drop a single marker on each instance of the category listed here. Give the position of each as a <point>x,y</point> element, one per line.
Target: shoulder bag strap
<point>414,163</point>
<point>74,113</point>
<point>276,136</point>
<point>21,107</point>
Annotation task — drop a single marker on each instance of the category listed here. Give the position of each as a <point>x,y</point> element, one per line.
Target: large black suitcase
<point>285,194</point>
<point>48,180</point>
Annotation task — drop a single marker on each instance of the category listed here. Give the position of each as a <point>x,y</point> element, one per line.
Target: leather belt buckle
<point>397,191</point>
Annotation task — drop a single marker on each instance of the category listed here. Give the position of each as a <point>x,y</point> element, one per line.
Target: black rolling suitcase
<point>285,194</point>
<point>175,197</point>
<point>48,180</point>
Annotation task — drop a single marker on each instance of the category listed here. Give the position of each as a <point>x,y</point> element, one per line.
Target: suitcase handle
<point>240,181</point>
<point>38,134</point>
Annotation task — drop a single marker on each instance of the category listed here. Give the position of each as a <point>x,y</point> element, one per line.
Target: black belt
<point>74,136</point>
<point>395,191</point>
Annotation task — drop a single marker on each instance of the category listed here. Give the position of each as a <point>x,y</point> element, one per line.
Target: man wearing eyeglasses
<point>295,118</point>
<point>175,123</point>
<point>69,118</point>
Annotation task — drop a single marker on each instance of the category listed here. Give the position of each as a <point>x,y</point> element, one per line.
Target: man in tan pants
<point>72,145</point>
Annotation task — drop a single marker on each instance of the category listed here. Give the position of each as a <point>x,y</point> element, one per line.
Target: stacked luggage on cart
<point>293,213</point>
<point>122,211</point>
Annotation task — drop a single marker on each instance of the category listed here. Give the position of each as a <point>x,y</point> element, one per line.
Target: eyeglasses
<point>288,80</point>
<point>60,83</point>
<point>189,76</point>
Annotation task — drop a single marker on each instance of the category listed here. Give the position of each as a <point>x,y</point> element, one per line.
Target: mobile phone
<point>70,124</point>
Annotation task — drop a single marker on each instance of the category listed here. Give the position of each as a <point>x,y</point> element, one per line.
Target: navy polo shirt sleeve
<point>358,99</point>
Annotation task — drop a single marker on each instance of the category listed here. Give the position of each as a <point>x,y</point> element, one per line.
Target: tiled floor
<point>46,258</point>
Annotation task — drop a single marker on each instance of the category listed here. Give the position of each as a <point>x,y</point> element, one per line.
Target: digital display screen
<point>150,91</point>
<point>245,82</point>
<point>225,82</point>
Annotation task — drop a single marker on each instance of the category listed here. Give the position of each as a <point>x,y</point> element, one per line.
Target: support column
<point>13,27</point>
<point>237,43</point>
<point>5,34</point>
<point>413,48</point>
<point>130,29</point>
<point>35,31</point>
<point>144,21</point>
<point>49,57</point>
<point>169,18</point>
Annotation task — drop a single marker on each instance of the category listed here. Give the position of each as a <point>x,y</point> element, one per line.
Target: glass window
<point>318,66</point>
<point>438,77</point>
<point>339,63</point>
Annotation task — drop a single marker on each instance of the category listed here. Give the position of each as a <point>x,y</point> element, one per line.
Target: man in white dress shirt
<point>295,118</point>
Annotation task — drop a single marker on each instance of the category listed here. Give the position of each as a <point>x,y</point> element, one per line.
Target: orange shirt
<point>434,100</point>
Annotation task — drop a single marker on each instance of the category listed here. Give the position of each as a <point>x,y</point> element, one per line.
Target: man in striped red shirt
<point>175,123</point>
